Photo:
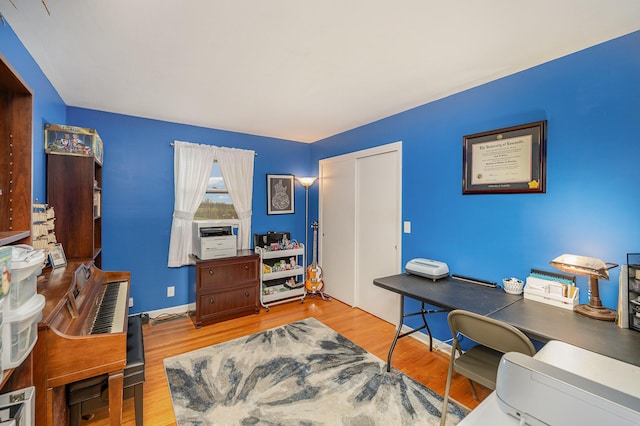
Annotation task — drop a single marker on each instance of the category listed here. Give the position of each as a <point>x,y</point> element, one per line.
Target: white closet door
<point>337,248</point>
<point>360,227</point>
<point>377,232</point>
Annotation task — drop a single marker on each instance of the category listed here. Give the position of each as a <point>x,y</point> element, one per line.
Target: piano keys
<point>83,334</point>
<point>110,307</point>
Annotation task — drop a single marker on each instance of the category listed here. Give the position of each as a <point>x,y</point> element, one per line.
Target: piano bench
<point>86,396</point>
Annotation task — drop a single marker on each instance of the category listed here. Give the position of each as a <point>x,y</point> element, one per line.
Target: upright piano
<point>83,333</point>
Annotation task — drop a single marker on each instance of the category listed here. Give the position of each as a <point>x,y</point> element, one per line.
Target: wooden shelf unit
<point>72,184</point>
<point>16,111</point>
<point>16,116</point>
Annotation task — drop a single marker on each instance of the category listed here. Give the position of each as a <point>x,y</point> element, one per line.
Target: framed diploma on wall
<point>509,160</point>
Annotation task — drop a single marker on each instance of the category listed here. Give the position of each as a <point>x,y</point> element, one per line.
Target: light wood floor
<point>168,338</point>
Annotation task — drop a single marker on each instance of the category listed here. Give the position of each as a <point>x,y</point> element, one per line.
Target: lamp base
<point>599,313</point>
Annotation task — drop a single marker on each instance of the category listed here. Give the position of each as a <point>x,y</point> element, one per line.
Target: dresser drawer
<point>229,303</point>
<point>225,272</point>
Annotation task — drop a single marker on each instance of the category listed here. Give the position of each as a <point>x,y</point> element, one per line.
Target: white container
<point>512,285</point>
<point>20,331</point>
<point>26,265</point>
<point>18,407</point>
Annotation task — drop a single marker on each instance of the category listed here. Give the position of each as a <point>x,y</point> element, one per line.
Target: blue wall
<point>591,100</point>
<point>138,196</point>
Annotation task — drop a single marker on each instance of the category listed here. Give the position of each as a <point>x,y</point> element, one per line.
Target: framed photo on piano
<point>57,257</point>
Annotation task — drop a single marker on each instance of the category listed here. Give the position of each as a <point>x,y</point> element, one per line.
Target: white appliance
<point>427,268</point>
<point>213,241</point>
<point>539,393</point>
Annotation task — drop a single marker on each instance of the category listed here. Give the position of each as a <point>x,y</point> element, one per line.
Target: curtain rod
<point>172,145</point>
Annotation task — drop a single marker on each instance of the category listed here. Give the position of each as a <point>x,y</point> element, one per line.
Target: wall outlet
<point>171,291</point>
<point>131,302</point>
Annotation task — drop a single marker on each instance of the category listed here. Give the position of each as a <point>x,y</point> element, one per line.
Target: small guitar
<point>314,283</point>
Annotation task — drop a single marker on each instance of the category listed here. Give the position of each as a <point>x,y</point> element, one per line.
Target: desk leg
<point>395,339</point>
<point>425,326</point>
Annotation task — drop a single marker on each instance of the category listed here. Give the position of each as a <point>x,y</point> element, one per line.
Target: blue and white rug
<point>303,373</point>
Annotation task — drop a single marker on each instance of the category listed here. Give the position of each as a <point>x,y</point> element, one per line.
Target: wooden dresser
<point>226,288</point>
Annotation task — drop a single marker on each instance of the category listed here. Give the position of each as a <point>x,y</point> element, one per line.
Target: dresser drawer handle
<point>210,271</point>
<point>246,293</point>
<point>246,267</point>
<point>211,300</point>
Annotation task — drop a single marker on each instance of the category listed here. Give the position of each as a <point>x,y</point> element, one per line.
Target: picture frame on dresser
<point>280,194</point>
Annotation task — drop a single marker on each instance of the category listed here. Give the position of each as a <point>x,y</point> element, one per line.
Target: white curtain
<point>236,166</point>
<point>191,170</point>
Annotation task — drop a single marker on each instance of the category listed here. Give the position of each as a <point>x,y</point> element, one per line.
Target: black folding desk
<point>538,320</point>
<point>544,322</point>
<point>448,294</point>
<point>444,293</point>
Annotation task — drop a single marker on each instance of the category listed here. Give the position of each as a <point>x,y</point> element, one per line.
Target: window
<point>216,203</point>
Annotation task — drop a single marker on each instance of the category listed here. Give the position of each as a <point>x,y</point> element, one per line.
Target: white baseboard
<point>173,310</point>
<point>438,345</point>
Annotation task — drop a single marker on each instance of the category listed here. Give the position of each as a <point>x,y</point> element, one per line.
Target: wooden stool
<point>86,396</point>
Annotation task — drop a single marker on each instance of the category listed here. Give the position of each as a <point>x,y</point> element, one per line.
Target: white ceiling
<point>296,69</point>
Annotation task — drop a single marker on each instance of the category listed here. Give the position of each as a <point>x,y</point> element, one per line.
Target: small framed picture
<point>57,257</point>
<point>280,193</point>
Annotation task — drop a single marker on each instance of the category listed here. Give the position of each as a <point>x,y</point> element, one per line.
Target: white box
<point>550,292</point>
<point>18,407</point>
<point>20,331</point>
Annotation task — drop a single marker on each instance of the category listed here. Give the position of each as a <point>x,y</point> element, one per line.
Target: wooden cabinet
<point>16,111</point>
<point>226,288</point>
<point>74,185</point>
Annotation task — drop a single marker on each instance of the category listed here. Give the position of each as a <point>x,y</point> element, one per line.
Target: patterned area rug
<point>303,373</point>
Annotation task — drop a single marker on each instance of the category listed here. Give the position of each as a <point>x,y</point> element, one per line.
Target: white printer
<point>213,241</point>
<point>561,385</point>
<point>539,393</point>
